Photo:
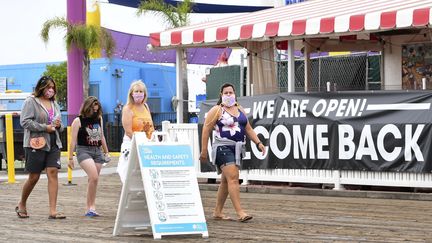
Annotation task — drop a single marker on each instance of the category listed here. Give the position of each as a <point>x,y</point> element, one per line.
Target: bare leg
<point>92,169</point>
<point>52,174</point>
<point>28,186</point>
<point>231,173</point>
<point>222,195</point>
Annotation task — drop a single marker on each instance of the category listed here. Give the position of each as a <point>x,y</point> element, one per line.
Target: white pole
<point>291,67</point>
<point>179,84</point>
<point>424,83</point>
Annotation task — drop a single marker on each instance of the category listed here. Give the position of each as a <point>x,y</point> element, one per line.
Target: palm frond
<point>173,16</point>
<point>57,22</point>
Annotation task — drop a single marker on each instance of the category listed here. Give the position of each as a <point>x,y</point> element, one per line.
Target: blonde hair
<point>135,83</point>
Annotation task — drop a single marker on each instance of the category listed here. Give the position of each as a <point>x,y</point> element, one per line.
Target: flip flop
<point>223,217</point>
<point>57,216</point>
<point>245,218</point>
<point>21,213</point>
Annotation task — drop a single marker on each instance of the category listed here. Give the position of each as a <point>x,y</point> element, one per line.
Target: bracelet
<point>258,143</point>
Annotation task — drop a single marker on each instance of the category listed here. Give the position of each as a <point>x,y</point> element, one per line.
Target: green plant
<point>59,73</point>
<point>175,16</point>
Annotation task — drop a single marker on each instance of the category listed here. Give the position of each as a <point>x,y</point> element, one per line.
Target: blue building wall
<point>109,81</point>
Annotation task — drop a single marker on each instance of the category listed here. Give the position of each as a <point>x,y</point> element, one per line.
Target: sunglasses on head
<point>45,79</point>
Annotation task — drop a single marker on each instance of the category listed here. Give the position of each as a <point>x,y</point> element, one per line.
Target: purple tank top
<point>231,127</point>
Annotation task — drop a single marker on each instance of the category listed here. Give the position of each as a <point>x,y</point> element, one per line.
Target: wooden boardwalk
<point>277,218</point>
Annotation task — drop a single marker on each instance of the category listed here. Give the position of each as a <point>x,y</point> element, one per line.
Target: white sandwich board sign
<point>160,191</point>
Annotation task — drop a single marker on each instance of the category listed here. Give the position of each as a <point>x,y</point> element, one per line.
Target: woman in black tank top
<point>89,140</point>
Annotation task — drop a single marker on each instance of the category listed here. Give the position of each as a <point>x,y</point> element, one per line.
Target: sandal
<point>21,213</point>
<point>245,218</point>
<point>57,216</point>
<point>222,217</point>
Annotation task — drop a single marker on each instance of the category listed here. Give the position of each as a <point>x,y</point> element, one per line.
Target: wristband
<point>258,143</point>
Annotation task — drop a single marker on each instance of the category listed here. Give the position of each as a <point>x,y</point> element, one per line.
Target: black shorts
<point>37,160</point>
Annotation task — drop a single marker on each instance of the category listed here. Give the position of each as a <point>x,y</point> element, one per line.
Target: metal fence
<point>351,72</point>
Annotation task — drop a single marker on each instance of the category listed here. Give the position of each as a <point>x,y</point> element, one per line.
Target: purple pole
<point>76,13</point>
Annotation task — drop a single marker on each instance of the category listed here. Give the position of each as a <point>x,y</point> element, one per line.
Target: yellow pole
<point>10,148</point>
<point>68,149</point>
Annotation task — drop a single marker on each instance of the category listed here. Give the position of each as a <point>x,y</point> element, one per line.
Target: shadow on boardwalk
<point>277,218</point>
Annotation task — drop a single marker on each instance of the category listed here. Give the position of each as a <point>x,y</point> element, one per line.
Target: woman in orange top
<point>136,117</point>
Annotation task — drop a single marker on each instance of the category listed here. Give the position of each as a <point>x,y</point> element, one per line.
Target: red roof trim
<point>388,20</point>
<point>272,29</point>
<point>155,39</point>
<point>176,37</point>
<point>198,36</point>
<point>298,27</point>
<point>246,31</point>
<point>327,25</point>
<point>421,17</point>
<point>222,34</point>
<point>356,22</point>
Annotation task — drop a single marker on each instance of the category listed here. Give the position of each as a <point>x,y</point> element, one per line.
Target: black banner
<point>370,131</point>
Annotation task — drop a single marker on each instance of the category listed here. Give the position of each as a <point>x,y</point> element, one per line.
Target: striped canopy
<point>313,18</point>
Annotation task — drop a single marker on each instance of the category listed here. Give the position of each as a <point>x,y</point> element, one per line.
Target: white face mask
<point>138,97</point>
<point>228,100</point>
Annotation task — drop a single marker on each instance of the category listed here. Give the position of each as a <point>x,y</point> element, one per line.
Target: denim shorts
<point>225,156</point>
<point>90,152</point>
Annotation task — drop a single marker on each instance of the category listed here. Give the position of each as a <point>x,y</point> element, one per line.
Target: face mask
<point>228,101</point>
<point>138,97</point>
<point>49,93</point>
<point>95,114</point>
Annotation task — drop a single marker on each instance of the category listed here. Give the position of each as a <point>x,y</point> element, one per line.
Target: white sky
<point>21,22</point>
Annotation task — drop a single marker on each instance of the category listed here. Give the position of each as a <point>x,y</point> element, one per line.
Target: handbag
<point>37,142</point>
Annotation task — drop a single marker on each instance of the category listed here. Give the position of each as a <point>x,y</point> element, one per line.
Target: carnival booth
<point>351,137</point>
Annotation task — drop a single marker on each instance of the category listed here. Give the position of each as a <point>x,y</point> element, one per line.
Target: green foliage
<point>84,37</point>
<point>174,16</point>
<point>59,74</point>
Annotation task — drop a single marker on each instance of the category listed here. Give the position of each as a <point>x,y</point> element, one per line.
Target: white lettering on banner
<point>258,154</point>
<point>346,137</point>
<point>366,144</point>
<point>302,145</point>
<point>341,108</point>
<point>411,142</point>
<point>322,141</point>
<point>389,128</point>
<point>265,109</point>
<point>282,130</point>
<point>260,107</point>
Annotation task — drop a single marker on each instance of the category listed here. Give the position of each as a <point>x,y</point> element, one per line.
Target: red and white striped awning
<point>312,18</point>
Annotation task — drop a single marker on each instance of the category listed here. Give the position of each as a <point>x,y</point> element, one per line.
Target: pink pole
<point>76,13</point>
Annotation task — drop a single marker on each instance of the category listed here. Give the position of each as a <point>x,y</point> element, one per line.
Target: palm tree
<point>84,37</point>
<point>174,16</point>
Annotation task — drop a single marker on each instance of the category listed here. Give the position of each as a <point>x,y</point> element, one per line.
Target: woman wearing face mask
<point>136,117</point>
<point>88,138</point>
<point>231,126</point>
<point>40,118</point>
